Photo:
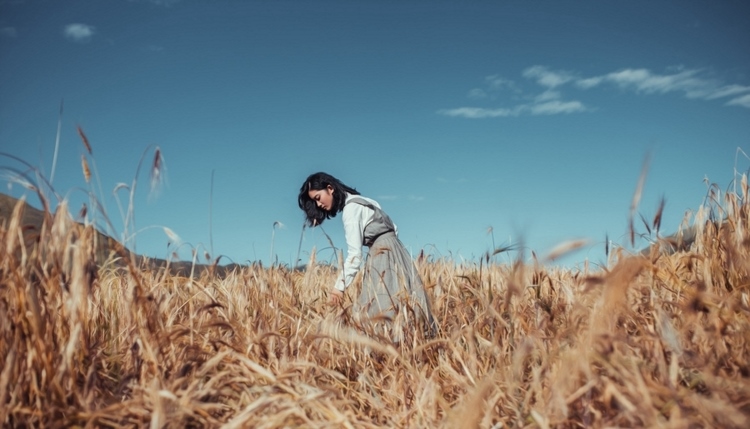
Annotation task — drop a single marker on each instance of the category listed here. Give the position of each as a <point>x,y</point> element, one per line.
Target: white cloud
<point>548,95</point>
<point>728,91</point>
<point>79,32</point>
<point>498,83</point>
<point>743,101</point>
<point>493,85</point>
<point>690,83</point>
<point>629,76</point>
<point>546,77</point>
<point>9,32</point>
<point>645,81</point>
<point>479,112</point>
<point>477,93</point>
<point>589,82</point>
<point>555,107</point>
<point>548,102</point>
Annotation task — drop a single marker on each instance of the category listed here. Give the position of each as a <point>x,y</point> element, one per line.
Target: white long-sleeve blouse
<point>355,218</point>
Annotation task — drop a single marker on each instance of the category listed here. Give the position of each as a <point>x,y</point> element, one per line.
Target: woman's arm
<point>354,217</point>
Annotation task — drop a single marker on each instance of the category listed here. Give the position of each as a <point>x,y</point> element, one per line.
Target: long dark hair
<point>314,215</point>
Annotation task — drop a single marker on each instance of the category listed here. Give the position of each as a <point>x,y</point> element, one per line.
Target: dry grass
<point>652,341</point>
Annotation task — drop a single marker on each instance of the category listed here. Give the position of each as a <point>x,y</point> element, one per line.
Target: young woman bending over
<point>392,290</point>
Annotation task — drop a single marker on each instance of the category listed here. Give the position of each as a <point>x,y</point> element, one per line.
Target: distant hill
<point>32,220</point>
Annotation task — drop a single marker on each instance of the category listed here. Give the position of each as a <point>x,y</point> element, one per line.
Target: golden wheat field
<point>654,339</point>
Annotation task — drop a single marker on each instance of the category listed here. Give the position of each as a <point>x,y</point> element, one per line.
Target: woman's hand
<point>335,297</point>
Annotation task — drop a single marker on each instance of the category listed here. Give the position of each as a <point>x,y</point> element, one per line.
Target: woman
<point>391,287</point>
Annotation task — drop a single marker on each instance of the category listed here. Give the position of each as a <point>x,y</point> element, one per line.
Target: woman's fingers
<point>334,297</point>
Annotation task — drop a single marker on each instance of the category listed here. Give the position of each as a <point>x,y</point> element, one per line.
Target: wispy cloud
<point>79,32</point>
<point>478,93</point>
<point>589,82</point>
<point>546,77</point>
<point>9,32</point>
<point>691,83</point>
<point>548,102</point>
<point>499,83</point>
<point>493,85</point>
<point>743,101</point>
<point>479,112</point>
<point>555,107</point>
<point>548,95</point>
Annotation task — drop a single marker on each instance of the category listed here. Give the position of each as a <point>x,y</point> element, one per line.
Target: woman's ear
<point>330,189</point>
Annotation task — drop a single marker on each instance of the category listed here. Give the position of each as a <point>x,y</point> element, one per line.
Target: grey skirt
<point>393,295</point>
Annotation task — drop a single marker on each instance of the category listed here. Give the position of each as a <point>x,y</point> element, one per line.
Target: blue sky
<point>529,118</point>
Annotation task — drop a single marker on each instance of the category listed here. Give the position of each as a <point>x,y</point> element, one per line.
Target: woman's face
<point>323,197</point>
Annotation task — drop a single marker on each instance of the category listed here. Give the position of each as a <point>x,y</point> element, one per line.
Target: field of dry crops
<point>657,340</point>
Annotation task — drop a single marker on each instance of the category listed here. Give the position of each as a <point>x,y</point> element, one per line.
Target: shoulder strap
<point>361,201</point>
<point>379,225</point>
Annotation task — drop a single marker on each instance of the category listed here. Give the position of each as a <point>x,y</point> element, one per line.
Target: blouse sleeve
<point>355,218</point>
